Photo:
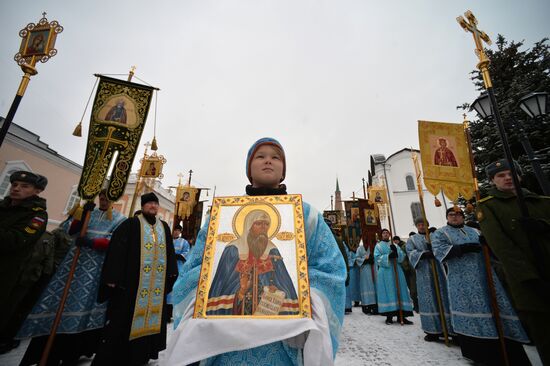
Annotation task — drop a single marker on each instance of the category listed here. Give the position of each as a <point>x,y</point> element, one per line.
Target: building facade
<point>398,173</point>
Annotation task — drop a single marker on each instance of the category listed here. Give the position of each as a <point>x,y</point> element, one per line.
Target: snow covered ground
<point>365,340</point>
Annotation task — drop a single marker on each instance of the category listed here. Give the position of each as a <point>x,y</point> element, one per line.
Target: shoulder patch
<point>485,199</point>
<point>479,215</point>
<point>30,230</point>
<point>37,222</point>
<point>37,209</point>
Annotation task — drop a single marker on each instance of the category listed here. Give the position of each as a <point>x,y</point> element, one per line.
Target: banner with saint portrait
<point>370,222</point>
<point>445,159</point>
<point>116,123</point>
<point>186,199</point>
<point>255,260</point>
<point>377,195</point>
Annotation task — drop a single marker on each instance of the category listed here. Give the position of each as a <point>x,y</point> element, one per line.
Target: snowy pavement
<point>365,340</point>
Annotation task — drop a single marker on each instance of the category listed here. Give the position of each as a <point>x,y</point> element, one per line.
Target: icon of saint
<point>117,113</point>
<point>251,268</point>
<point>443,155</point>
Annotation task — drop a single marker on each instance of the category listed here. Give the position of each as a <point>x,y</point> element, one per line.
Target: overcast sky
<point>333,81</point>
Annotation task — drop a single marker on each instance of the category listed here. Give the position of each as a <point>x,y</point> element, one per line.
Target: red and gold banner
<point>370,222</point>
<point>445,159</point>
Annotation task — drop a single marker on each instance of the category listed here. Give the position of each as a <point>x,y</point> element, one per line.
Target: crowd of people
<point>474,286</point>
<point>483,285</point>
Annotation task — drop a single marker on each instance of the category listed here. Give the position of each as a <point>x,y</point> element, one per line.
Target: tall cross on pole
<point>470,25</point>
<point>180,175</point>
<point>190,174</point>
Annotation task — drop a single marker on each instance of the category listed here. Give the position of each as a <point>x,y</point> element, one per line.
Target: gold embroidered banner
<point>377,194</point>
<point>186,199</point>
<point>445,159</point>
<point>118,116</point>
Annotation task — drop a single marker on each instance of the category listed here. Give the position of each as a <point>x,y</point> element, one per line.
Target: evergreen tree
<point>515,72</point>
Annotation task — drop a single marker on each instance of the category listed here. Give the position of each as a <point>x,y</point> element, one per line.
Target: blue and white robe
<point>352,290</point>
<point>223,342</point>
<point>427,300</point>
<point>81,311</point>
<point>386,290</point>
<point>467,285</point>
<point>366,280</point>
<point>181,247</point>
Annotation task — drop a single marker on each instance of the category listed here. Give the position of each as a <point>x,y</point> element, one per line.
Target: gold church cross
<point>470,25</point>
<point>108,140</point>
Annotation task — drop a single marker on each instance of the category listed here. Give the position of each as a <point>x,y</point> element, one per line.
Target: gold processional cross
<point>480,36</point>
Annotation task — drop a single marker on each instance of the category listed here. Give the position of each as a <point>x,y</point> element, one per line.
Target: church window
<point>410,182</point>
<point>73,199</point>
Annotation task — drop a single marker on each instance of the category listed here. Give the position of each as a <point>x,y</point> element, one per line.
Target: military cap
<point>37,180</point>
<point>500,166</point>
<point>149,197</point>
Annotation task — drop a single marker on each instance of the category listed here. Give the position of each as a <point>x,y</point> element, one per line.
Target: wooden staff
<point>394,263</point>
<point>487,260</point>
<point>433,267</point>
<point>59,313</point>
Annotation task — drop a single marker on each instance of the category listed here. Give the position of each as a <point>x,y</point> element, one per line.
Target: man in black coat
<point>139,271</point>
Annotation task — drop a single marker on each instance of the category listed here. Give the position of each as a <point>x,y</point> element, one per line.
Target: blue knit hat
<point>256,146</point>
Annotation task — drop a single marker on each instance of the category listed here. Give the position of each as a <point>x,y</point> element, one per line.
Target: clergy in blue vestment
<point>249,341</point>
<point>458,247</point>
<point>83,317</point>
<point>353,286</point>
<point>367,278</point>
<point>421,257</point>
<point>181,246</point>
<point>348,303</point>
<point>390,304</point>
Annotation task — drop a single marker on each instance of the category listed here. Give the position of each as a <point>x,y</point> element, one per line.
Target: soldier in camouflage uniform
<point>509,236</point>
<point>23,220</point>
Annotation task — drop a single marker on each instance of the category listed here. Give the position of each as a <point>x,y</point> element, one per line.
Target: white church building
<point>400,178</point>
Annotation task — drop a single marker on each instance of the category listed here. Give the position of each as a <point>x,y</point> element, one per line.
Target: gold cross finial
<point>470,25</point>
<point>44,15</point>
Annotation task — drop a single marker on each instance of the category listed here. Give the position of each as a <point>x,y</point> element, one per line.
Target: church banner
<point>117,120</point>
<point>334,216</point>
<point>370,222</point>
<point>377,194</point>
<point>255,260</point>
<point>445,159</point>
<point>186,199</point>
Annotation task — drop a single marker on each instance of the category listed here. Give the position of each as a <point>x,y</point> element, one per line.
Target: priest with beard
<point>249,266</point>
<point>139,271</point>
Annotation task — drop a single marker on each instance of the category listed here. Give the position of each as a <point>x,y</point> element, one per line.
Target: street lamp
<point>482,105</point>
<point>534,104</point>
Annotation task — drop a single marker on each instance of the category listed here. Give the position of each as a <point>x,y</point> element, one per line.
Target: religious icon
<point>255,259</point>
<point>354,214</point>
<point>152,168</point>
<point>370,217</point>
<point>332,216</point>
<point>444,156</point>
<point>119,109</point>
<point>117,113</point>
<point>37,42</point>
<point>378,198</point>
<point>186,200</point>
